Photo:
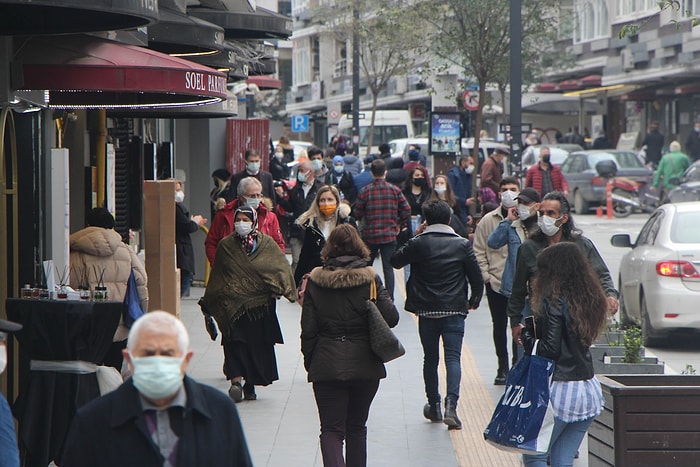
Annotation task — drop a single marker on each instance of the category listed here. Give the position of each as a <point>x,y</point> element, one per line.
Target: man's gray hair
<point>160,322</point>
<point>245,183</point>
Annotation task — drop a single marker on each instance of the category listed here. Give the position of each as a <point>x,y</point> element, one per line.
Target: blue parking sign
<point>300,123</point>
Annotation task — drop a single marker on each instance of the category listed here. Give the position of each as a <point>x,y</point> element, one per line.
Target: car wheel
<point>580,205</point>
<point>625,320</point>
<point>650,337</point>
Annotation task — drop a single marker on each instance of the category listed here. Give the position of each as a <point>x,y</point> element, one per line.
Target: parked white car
<point>659,278</point>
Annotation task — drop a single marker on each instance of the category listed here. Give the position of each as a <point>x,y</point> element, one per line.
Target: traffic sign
<point>471,99</point>
<point>300,123</point>
<point>334,114</point>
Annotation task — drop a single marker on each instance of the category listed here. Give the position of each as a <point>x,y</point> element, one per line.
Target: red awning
<point>546,87</point>
<point>88,72</point>
<point>591,81</point>
<point>265,82</point>
<point>568,85</point>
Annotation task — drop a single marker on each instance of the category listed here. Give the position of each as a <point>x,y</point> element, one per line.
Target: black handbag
<point>382,339</point>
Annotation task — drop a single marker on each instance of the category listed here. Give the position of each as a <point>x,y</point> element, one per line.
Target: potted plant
<point>626,357</point>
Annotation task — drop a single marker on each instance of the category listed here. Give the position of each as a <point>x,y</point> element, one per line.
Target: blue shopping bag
<point>132,301</point>
<point>523,419</point>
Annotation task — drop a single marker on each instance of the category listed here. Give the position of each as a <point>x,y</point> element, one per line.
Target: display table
<point>76,332</point>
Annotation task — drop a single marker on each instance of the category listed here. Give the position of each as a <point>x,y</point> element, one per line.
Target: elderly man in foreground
<point>159,417</point>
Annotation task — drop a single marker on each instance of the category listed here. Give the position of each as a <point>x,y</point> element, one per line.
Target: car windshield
<point>623,160</point>
<point>685,227</point>
<point>382,133</point>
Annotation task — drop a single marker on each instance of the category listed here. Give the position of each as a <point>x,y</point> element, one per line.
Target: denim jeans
<point>451,329</point>
<point>343,408</point>
<point>385,250</point>
<point>566,439</point>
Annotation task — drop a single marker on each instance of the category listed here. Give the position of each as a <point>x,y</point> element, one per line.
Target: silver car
<point>586,187</point>
<point>660,278</point>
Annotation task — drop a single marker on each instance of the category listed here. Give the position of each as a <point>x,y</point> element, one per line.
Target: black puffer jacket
<point>334,330</point>
<point>573,361</point>
<point>441,264</point>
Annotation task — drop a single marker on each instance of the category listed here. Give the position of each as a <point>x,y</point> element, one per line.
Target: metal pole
<point>516,83</point>
<point>356,80</point>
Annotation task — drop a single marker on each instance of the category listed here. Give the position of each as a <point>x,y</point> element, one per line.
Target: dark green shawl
<point>240,284</point>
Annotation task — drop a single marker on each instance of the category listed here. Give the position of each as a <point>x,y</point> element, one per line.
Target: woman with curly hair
<point>570,310</point>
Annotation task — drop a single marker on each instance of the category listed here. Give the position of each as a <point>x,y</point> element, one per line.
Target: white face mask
<point>243,228</point>
<point>279,156</point>
<point>3,358</point>
<point>523,211</point>
<point>179,196</point>
<point>318,164</point>
<point>469,169</point>
<point>440,189</point>
<point>157,377</point>
<point>547,225</point>
<point>508,199</point>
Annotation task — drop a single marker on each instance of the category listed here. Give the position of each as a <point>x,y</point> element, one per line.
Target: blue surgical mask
<point>302,177</point>
<point>339,169</point>
<point>157,377</point>
<point>252,202</point>
<point>318,164</point>
<point>253,167</point>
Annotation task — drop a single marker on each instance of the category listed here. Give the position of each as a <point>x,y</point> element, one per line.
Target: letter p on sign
<point>300,123</point>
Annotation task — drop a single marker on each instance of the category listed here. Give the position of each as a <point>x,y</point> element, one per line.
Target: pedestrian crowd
<point>455,235</point>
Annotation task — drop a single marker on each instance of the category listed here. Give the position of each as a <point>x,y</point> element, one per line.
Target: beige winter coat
<point>95,249</point>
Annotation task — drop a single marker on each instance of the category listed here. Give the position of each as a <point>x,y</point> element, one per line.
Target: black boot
<point>433,412</point>
<point>500,377</point>
<point>451,420</point>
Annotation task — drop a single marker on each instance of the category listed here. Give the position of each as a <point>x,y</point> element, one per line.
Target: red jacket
<point>222,226</point>
<point>533,179</point>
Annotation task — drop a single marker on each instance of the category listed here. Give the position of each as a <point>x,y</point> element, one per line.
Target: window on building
<point>593,20</point>
<point>301,56</point>
<point>633,7</point>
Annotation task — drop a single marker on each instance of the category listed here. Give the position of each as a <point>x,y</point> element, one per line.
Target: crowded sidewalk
<point>282,426</point>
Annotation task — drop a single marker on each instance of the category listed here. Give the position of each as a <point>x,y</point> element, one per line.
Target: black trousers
<point>343,408</point>
<point>498,304</point>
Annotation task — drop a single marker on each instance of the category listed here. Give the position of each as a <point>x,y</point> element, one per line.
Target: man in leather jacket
<point>442,263</point>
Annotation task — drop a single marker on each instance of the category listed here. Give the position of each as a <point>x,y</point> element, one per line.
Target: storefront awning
<point>265,82</point>
<point>33,17</point>
<point>260,24</point>
<point>88,72</point>
<point>223,109</point>
<point>179,34</point>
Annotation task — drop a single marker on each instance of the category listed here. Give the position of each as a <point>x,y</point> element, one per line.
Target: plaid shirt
<point>383,207</point>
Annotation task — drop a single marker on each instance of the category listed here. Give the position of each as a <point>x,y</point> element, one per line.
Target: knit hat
<point>338,159</point>
<point>414,155</point>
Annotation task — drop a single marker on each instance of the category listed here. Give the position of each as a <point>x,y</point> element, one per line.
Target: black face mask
<point>545,158</point>
<point>420,182</point>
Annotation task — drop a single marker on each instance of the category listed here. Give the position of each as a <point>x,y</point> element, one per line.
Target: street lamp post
<point>355,80</point>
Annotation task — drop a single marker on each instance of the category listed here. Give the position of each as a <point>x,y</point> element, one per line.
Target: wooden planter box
<point>649,420</point>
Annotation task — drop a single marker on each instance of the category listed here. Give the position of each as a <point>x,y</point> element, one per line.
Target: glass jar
<point>27,291</point>
<point>84,294</point>
<point>99,294</point>
<point>62,292</point>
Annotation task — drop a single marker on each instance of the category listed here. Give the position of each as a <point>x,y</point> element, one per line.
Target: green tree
<point>474,36</point>
<point>390,45</point>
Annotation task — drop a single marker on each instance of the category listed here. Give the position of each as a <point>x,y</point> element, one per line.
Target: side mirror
<point>621,240</point>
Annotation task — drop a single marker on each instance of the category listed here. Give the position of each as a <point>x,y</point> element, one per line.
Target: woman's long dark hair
<point>563,272</point>
<point>344,240</point>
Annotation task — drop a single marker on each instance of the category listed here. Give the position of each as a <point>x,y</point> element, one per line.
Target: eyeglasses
<point>255,196</point>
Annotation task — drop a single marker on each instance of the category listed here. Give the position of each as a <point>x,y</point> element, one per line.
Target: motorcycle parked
<point>628,195</point>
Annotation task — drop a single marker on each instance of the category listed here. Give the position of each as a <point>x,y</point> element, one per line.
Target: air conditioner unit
<point>627,60</point>
<point>401,86</point>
